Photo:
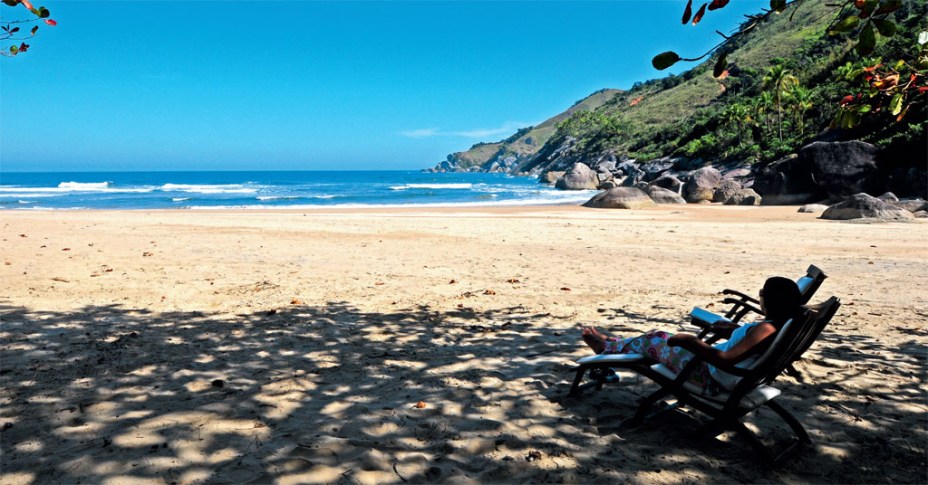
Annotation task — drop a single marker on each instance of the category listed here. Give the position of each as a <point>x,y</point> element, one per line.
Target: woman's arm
<point>728,357</point>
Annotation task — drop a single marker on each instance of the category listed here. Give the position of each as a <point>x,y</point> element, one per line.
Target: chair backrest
<point>810,283</point>
<point>778,355</point>
<point>822,315</point>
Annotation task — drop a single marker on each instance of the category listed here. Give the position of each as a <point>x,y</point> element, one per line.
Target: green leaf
<point>14,50</point>
<point>35,28</point>
<point>720,65</point>
<point>664,60</point>
<point>895,105</point>
<point>922,38</point>
<point>889,6</point>
<point>864,108</point>
<point>886,28</point>
<point>867,40</point>
<point>43,13</point>
<point>846,25</point>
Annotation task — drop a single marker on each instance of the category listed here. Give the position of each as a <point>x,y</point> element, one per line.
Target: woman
<point>779,300</point>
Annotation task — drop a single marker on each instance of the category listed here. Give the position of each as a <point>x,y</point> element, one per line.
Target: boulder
<point>813,208</point>
<point>663,196</point>
<point>889,197</point>
<point>921,215</point>
<point>701,185</point>
<point>668,182</point>
<point>744,197</point>
<point>603,177</point>
<point>620,198</point>
<point>655,168</point>
<point>551,177</point>
<point>863,206</point>
<point>578,177</point>
<point>609,184</point>
<point>787,182</point>
<point>725,190</point>
<point>843,168</point>
<point>633,177</point>
<point>911,205</point>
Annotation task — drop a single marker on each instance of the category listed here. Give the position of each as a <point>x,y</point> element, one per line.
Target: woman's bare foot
<point>594,339</point>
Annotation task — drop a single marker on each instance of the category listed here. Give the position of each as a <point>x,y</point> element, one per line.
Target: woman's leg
<point>654,345</point>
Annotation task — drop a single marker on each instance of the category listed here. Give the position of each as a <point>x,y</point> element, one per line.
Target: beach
<point>433,345</point>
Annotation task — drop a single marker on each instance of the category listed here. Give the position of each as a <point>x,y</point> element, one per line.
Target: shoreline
<point>295,346</point>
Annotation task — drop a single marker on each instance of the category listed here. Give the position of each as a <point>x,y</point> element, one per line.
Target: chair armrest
<point>703,318</point>
<point>740,295</point>
<point>739,309</point>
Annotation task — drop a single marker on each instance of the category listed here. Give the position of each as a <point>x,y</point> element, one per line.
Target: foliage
<point>11,30</point>
<point>764,107</point>
<point>868,19</point>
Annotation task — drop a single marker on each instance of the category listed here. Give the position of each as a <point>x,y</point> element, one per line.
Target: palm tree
<point>737,114</point>
<point>761,105</point>
<point>801,100</point>
<point>779,80</point>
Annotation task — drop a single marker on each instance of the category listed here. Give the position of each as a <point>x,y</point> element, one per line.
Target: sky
<point>313,85</point>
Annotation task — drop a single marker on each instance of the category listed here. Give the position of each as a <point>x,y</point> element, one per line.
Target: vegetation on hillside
<point>785,84</point>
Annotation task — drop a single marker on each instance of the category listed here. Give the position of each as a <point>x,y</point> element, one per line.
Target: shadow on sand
<point>330,394</point>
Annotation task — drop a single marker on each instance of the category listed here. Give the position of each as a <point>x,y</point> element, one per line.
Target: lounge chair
<point>729,407</point>
<point>742,304</point>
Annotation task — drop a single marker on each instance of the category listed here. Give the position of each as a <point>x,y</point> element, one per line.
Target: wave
<point>65,188</point>
<point>179,199</point>
<point>432,186</point>
<point>84,186</point>
<point>277,197</point>
<point>209,189</point>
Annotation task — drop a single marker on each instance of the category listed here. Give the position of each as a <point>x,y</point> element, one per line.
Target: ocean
<point>273,190</point>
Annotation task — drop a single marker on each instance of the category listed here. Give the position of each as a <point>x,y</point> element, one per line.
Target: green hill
<point>735,118</point>
<point>525,142</point>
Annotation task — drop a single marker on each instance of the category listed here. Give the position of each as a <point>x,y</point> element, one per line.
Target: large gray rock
<point>744,197</point>
<point>578,177</point>
<point>551,177</point>
<point>843,168</point>
<point>620,198</point>
<point>787,182</point>
<point>634,176</point>
<point>701,185</point>
<point>668,182</point>
<point>655,168</point>
<point>813,208</point>
<point>863,206</point>
<point>663,196</point>
<point>911,205</point>
<point>725,190</point>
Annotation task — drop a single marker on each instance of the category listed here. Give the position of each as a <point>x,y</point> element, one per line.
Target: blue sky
<point>247,85</point>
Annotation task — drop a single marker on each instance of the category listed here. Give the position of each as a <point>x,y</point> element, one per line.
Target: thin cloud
<point>507,128</point>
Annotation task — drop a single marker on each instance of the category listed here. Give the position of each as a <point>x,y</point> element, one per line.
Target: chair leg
<point>791,420</point>
<point>646,405</point>
<point>575,387</point>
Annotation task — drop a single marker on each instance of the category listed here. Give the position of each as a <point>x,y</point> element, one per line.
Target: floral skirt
<point>654,345</point>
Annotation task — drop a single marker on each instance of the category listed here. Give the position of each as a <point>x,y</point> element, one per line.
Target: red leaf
<point>847,99</point>
<point>717,4</point>
<point>699,14</point>
<point>23,47</point>
<point>27,4</point>
<point>51,22</point>
<point>687,12</point>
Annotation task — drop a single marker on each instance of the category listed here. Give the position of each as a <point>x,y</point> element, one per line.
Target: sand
<point>396,346</point>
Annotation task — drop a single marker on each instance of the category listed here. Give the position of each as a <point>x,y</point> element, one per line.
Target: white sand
<point>323,330</point>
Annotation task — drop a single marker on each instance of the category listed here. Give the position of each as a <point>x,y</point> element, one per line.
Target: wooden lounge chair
<point>742,304</point>
<point>753,391</point>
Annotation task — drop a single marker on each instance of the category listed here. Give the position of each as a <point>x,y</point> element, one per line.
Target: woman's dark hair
<point>781,299</point>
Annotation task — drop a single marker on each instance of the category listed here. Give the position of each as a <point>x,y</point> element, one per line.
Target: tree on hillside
<point>800,98</point>
<point>11,30</point>
<point>779,81</point>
